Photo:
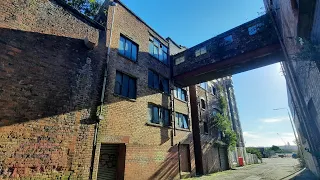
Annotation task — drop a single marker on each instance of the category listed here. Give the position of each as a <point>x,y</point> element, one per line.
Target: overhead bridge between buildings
<point>246,47</point>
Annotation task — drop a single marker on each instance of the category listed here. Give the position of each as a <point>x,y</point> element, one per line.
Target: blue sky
<point>258,91</point>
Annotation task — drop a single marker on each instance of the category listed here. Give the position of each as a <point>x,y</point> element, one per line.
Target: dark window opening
<point>158,115</point>
<point>203,104</point>
<point>125,85</point>
<point>157,81</point>
<point>182,121</point>
<point>128,48</point>
<point>205,127</point>
<point>214,90</point>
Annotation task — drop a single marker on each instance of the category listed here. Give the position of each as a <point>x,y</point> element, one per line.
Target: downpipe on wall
<point>100,113</point>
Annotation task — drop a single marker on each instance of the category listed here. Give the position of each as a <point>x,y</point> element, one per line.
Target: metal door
<point>108,162</point>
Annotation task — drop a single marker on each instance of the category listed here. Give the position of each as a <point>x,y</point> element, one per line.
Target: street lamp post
<point>294,132</point>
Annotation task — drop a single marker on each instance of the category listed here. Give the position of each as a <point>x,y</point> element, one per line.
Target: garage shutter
<point>108,162</point>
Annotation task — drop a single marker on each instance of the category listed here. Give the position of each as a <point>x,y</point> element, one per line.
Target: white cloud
<point>275,119</point>
<point>250,135</point>
<point>267,139</point>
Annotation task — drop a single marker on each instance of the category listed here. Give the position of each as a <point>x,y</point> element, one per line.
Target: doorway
<point>185,158</point>
<point>111,162</point>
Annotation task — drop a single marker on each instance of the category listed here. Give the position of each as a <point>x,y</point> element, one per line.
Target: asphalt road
<point>270,169</point>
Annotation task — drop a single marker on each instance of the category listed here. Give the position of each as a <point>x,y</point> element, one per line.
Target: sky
<point>258,91</point>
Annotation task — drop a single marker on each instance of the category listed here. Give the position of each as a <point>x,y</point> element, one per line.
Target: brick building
<point>49,88</point>
<point>80,100</point>
<point>301,19</point>
<point>143,119</point>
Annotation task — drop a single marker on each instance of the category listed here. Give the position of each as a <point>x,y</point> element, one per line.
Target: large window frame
<point>157,81</point>
<point>125,85</point>
<point>182,121</point>
<point>180,94</point>
<point>159,115</point>
<point>128,48</point>
<point>158,50</point>
<point>204,85</point>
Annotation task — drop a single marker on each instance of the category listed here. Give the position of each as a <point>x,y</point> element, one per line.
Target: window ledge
<point>159,91</point>
<point>157,125</point>
<point>181,100</point>
<point>181,129</point>
<point>159,60</point>
<point>124,97</point>
<point>125,57</point>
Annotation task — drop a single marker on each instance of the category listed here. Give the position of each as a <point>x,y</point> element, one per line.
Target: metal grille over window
<point>125,85</point>
<point>128,48</point>
<point>158,50</point>
<point>158,115</point>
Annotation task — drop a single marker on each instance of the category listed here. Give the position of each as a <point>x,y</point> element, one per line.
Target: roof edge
<point>79,15</point>
<point>129,10</point>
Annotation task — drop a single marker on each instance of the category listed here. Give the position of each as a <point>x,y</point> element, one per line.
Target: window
<point>201,51</point>
<point>158,115</point>
<point>182,121</point>
<point>205,127</point>
<point>128,48</point>
<point>157,81</point>
<point>179,60</point>
<point>255,29</point>
<point>158,50</point>
<point>125,85</point>
<point>214,112</point>
<point>203,104</point>
<point>214,90</point>
<point>226,40</point>
<point>204,85</point>
<point>180,94</point>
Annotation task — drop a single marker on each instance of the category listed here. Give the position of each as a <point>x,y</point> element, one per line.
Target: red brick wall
<point>48,88</point>
<point>149,154</point>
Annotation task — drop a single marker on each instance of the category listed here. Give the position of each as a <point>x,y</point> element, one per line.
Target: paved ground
<point>270,169</point>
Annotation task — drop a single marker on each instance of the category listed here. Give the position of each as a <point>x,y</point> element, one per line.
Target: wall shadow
<point>46,75</point>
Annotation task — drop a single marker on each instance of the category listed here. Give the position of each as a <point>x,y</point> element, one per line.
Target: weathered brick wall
<point>210,154</point>
<point>149,148</point>
<point>305,75</point>
<point>48,88</point>
<point>218,49</point>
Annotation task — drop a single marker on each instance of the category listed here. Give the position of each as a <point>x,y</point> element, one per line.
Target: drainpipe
<point>100,116</point>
